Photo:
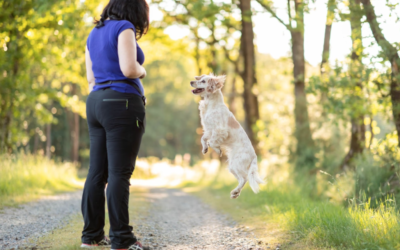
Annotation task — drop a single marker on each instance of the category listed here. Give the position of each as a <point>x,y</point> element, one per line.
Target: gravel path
<point>180,221</point>
<point>21,225</point>
<point>175,220</point>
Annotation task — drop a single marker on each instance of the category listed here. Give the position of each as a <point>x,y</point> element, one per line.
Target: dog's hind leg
<point>242,181</point>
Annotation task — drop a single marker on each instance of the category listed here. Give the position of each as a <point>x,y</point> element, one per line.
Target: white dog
<point>223,132</point>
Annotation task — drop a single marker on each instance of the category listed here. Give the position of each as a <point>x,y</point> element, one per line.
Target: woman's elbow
<point>131,73</point>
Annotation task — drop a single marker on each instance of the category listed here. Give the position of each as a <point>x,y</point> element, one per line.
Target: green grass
<point>284,213</point>
<point>26,177</point>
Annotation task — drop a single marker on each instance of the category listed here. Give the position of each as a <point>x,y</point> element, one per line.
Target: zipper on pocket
<point>137,122</point>
<point>140,123</point>
<point>118,100</point>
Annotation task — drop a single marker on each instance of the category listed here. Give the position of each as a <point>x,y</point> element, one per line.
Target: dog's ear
<point>198,77</point>
<point>221,80</point>
<point>215,83</point>
<point>211,85</point>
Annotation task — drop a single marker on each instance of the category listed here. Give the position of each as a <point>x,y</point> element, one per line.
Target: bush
<point>22,177</point>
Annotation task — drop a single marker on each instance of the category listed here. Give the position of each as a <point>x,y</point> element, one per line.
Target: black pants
<point>116,125</point>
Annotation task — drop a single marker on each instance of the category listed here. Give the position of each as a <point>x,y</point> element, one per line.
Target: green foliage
<point>378,171</point>
<point>23,177</point>
<point>38,58</point>
<point>344,97</point>
<point>315,221</point>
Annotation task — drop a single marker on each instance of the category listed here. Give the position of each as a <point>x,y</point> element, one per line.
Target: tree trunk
<point>357,141</point>
<point>249,74</point>
<point>199,128</point>
<point>328,29</point>
<point>232,97</point>
<point>75,138</point>
<point>35,142</point>
<point>48,140</point>
<point>390,53</point>
<point>5,128</point>
<point>197,53</point>
<point>73,120</point>
<point>305,143</point>
<point>213,62</point>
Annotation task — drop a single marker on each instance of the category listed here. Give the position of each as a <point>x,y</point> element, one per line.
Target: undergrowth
<point>24,177</point>
<point>360,224</point>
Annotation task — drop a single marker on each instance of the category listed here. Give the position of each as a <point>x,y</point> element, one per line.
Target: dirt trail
<point>172,220</point>
<point>22,225</point>
<point>179,221</point>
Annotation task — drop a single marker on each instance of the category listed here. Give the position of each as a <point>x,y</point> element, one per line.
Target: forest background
<point>315,84</point>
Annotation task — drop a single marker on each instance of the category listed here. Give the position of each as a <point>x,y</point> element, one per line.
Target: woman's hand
<point>91,86</point>
<point>144,73</point>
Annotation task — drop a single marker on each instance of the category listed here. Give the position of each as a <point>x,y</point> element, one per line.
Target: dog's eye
<point>203,81</point>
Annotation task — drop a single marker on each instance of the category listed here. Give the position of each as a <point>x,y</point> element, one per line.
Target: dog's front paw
<point>204,151</point>
<point>218,151</point>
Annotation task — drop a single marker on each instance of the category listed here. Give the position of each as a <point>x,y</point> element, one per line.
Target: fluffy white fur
<point>223,133</point>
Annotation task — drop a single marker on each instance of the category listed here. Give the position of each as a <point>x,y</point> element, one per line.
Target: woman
<point>116,118</point>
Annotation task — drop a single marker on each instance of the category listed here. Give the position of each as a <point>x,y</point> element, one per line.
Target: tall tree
<point>328,30</point>
<point>357,140</point>
<point>330,16</point>
<point>305,143</point>
<point>390,53</point>
<point>73,120</point>
<point>248,75</point>
<point>48,140</point>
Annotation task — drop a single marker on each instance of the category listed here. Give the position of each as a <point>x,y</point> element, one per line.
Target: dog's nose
<point>192,82</point>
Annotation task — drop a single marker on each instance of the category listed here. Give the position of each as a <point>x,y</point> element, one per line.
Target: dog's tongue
<point>196,90</point>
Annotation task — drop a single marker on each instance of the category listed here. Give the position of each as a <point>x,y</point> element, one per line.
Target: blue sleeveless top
<point>102,44</point>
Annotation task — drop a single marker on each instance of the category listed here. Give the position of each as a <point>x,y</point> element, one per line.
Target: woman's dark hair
<point>134,11</point>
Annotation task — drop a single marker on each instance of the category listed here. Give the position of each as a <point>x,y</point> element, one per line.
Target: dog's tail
<point>254,178</point>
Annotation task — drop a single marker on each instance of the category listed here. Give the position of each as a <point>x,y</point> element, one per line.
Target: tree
<point>328,30</point>
<point>389,53</point>
<point>73,120</point>
<point>357,140</point>
<point>305,143</point>
<point>248,75</point>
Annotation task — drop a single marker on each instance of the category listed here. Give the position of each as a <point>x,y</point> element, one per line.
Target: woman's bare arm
<point>128,55</point>
<point>89,71</point>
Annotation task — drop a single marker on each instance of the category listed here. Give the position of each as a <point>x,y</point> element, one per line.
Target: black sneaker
<point>106,242</point>
<point>136,246</point>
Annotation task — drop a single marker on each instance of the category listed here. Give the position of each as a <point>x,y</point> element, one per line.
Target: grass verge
<point>284,214</point>
<point>69,237</point>
<point>24,178</point>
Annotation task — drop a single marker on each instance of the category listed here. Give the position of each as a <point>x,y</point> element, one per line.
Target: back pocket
<point>118,100</point>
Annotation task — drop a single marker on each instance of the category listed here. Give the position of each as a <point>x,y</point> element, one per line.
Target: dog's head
<point>207,84</point>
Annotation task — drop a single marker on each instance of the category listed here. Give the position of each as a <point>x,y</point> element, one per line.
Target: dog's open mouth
<point>197,91</point>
